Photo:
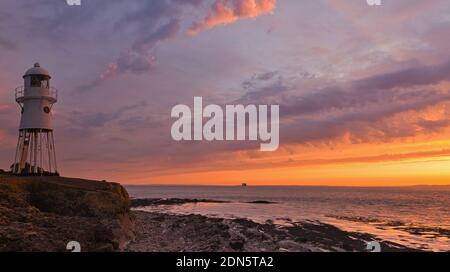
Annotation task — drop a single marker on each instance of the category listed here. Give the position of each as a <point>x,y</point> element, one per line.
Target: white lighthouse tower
<point>35,153</point>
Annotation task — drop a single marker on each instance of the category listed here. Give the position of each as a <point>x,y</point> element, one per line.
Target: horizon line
<point>285,185</point>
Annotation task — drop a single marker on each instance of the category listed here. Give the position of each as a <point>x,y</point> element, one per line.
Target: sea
<point>417,217</point>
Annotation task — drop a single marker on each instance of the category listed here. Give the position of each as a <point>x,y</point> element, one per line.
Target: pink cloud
<point>225,12</point>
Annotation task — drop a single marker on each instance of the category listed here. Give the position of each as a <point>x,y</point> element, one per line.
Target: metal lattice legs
<point>35,153</point>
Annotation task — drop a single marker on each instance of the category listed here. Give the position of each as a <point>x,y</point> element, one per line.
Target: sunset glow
<point>364,93</point>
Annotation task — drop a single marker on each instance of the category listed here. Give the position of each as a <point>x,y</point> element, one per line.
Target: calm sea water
<point>418,217</point>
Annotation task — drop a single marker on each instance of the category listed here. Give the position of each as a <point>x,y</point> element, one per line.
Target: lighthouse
<point>35,152</point>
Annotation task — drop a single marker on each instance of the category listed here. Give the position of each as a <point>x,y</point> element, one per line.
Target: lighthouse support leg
<point>54,153</point>
<point>49,153</point>
<point>15,166</point>
<point>35,153</point>
<point>24,151</point>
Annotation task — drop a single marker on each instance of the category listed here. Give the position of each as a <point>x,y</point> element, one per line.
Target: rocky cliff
<point>45,213</point>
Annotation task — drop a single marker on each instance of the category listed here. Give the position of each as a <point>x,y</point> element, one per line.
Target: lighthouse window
<point>47,110</point>
<point>40,81</point>
<point>44,83</point>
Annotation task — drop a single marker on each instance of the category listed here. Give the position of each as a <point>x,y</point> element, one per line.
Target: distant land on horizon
<point>124,183</point>
<point>274,185</point>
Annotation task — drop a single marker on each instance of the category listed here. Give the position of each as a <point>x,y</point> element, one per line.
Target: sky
<point>363,91</point>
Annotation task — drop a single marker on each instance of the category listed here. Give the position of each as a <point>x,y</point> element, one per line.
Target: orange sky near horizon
<point>404,163</point>
<point>364,92</point>
<point>399,173</point>
<point>421,159</point>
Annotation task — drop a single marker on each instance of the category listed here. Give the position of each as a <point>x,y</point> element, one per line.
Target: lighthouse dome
<point>37,70</point>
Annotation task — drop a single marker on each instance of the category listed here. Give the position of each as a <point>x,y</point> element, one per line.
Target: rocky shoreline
<point>141,202</point>
<point>46,213</point>
<point>156,232</point>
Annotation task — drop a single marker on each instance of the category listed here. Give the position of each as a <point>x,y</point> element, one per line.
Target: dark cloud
<point>140,58</point>
<point>189,2</point>
<point>363,125</point>
<point>362,109</point>
<point>391,88</point>
<point>359,110</point>
<point>149,40</point>
<point>141,122</point>
<point>421,75</point>
<point>139,25</point>
<point>433,125</point>
<point>6,44</point>
<point>57,21</point>
<point>90,120</point>
<point>151,23</point>
<point>263,86</point>
<point>256,79</point>
<point>82,41</point>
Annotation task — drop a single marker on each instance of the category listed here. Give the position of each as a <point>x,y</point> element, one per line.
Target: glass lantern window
<point>40,81</point>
